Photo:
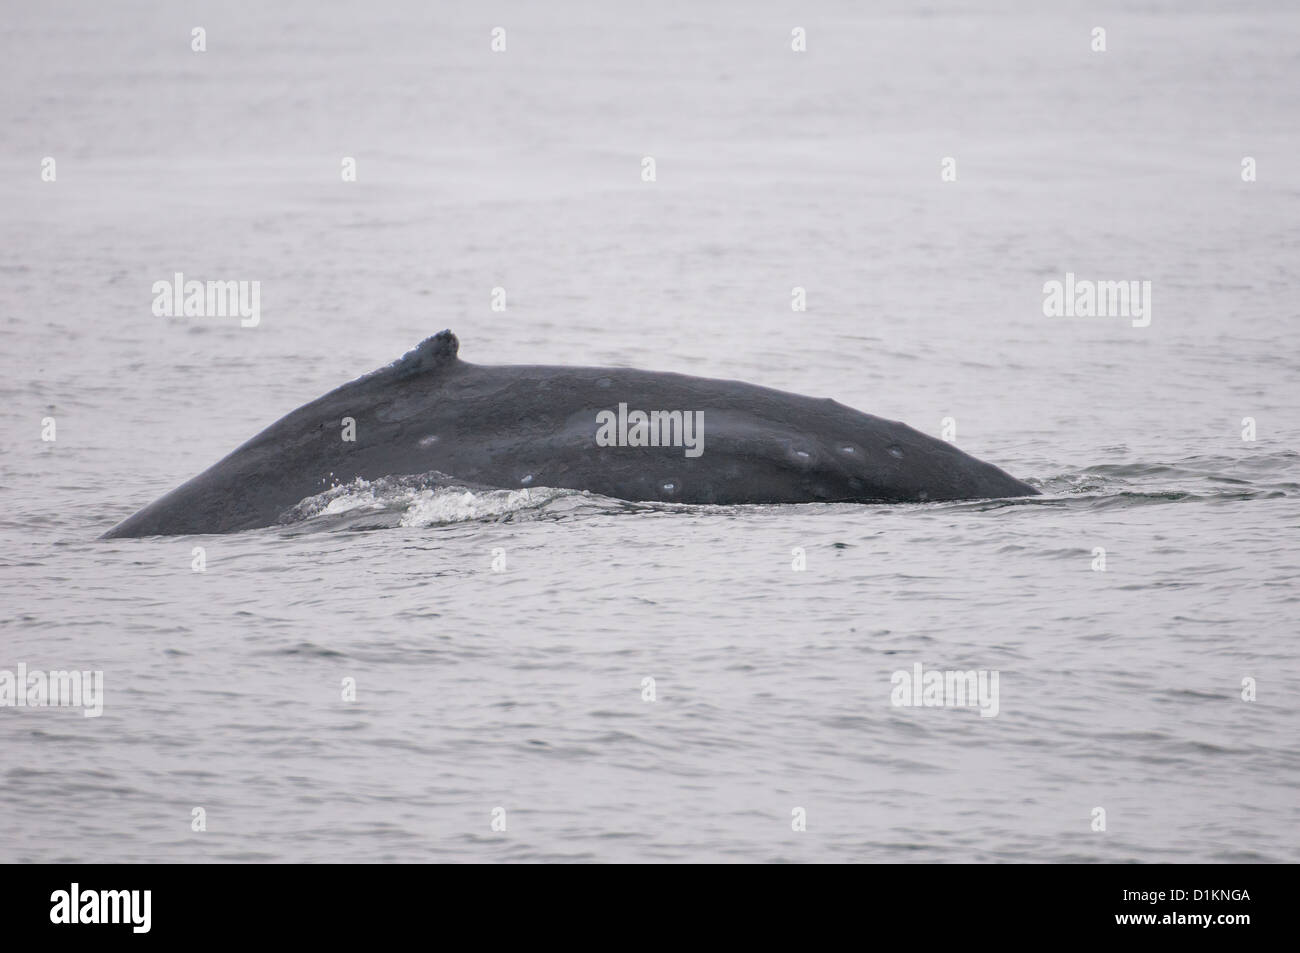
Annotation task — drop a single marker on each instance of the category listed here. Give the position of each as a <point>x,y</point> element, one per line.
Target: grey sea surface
<point>523,689</point>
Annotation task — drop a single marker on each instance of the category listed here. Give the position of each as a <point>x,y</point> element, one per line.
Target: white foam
<point>450,505</point>
<point>424,500</point>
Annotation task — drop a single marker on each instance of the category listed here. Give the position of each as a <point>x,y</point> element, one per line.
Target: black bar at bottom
<point>332,903</point>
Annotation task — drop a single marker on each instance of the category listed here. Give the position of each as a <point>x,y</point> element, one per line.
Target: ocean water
<point>524,689</point>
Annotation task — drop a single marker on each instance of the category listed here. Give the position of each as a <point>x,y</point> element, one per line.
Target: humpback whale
<point>684,440</point>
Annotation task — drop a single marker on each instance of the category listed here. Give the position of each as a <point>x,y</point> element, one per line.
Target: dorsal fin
<point>429,354</point>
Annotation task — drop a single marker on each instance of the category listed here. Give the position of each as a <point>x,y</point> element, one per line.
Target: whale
<point>629,434</point>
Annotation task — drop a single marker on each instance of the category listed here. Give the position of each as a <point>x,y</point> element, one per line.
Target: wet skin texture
<point>531,426</point>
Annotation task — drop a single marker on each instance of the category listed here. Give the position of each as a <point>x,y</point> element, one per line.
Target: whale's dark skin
<point>533,426</point>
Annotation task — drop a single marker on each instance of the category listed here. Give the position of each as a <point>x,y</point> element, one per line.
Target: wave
<point>437,499</point>
<point>433,499</point>
<point>1207,478</point>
